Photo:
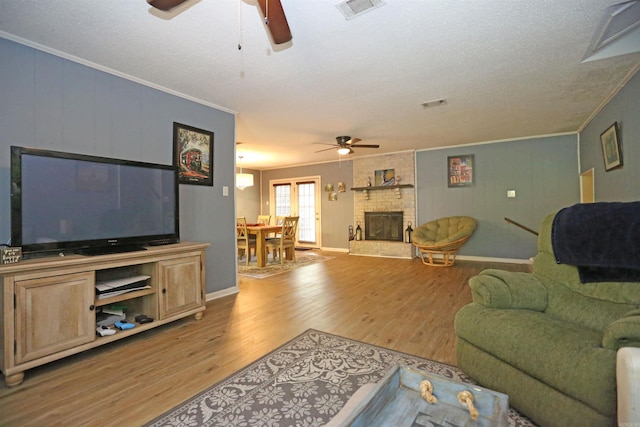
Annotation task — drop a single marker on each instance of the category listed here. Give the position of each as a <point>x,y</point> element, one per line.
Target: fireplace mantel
<point>397,188</point>
<point>382,187</point>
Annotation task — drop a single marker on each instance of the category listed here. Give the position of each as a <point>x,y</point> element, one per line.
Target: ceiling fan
<point>345,145</point>
<point>272,12</point>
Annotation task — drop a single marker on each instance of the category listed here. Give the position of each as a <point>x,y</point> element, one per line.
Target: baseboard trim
<point>383,256</point>
<point>222,293</point>
<point>344,250</point>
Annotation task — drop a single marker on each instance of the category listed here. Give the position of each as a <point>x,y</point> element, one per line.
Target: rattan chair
<point>242,236</point>
<point>286,240</point>
<point>438,241</point>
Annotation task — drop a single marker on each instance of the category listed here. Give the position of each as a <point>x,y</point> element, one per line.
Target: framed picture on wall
<point>193,154</point>
<point>611,147</point>
<point>460,171</point>
<point>385,177</point>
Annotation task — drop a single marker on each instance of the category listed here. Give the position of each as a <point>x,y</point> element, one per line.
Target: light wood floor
<point>399,304</point>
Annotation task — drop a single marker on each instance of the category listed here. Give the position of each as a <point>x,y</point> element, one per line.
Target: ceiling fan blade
<point>353,141</point>
<point>165,4</point>
<point>324,143</point>
<point>327,149</point>
<point>366,146</point>
<point>275,20</point>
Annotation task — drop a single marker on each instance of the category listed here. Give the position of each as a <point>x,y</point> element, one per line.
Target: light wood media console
<point>48,305</point>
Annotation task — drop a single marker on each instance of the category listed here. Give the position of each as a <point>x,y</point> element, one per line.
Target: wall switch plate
<point>225,190</point>
<point>511,193</point>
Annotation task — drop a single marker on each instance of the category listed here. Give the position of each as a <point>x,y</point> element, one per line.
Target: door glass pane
<point>307,212</point>
<point>283,200</point>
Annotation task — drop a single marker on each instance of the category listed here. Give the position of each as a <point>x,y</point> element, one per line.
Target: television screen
<point>63,202</point>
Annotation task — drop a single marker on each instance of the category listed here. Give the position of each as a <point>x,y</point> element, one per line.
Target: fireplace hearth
<point>383,226</point>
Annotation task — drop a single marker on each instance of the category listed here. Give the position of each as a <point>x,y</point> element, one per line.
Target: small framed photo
<point>193,154</point>
<point>342,187</point>
<point>328,187</point>
<point>333,197</point>
<point>460,171</point>
<point>611,147</point>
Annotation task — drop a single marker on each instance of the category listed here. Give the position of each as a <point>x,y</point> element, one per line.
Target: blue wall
<point>543,172</point>
<point>621,184</point>
<point>50,102</point>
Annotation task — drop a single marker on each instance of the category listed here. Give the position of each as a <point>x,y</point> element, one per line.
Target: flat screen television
<point>72,203</point>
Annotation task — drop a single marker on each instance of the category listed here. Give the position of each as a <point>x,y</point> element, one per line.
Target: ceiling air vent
<point>352,8</point>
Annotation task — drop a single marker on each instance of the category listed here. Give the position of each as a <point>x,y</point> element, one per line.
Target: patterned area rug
<point>304,383</point>
<point>274,267</point>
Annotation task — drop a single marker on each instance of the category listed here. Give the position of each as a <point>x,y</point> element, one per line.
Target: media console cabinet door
<point>180,285</point>
<point>53,314</point>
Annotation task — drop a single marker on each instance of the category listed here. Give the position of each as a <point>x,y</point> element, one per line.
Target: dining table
<point>261,232</point>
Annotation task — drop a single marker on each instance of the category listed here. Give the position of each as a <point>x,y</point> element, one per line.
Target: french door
<point>299,197</point>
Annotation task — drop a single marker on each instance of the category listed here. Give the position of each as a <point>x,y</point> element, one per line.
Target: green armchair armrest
<point>624,332</point>
<point>505,289</point>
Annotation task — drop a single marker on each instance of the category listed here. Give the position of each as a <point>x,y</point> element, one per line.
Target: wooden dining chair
<point>279,221</point>
<point>242,236</point>
<point>264,219</point>
<point>286,240</point>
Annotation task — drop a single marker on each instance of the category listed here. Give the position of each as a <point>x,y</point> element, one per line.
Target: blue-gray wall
<point>621,184</point>
<point>50,102</point>
<point>543,172</point>
<point>336,216</point>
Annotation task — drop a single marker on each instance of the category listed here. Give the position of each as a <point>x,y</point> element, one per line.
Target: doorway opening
<point>299,197</point>
<point>587,189</point>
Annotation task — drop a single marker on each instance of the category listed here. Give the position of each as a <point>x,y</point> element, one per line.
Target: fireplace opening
<point>383,226</point>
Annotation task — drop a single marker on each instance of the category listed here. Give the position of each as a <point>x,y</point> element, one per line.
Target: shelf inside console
<point>122,297</point>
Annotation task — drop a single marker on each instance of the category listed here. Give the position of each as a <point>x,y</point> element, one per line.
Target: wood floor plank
<point>395,303</point>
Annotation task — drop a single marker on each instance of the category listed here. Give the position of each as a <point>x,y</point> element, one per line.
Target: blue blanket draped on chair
<point>602,239</point>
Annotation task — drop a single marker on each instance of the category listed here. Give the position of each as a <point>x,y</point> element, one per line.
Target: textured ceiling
<point>507,69</point>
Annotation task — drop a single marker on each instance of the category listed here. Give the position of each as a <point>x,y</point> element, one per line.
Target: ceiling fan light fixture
<point>344,151</point>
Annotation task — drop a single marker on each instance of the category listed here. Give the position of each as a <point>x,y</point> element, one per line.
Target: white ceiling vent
<point>352,8</point>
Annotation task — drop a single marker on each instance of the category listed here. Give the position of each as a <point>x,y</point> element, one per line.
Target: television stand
<point>48,306</point>
<point>106,250</point>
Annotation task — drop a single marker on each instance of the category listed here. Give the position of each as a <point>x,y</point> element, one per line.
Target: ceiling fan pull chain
<point>239,24</point>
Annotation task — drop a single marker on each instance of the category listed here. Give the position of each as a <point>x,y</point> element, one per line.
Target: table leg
<point>261,249</point>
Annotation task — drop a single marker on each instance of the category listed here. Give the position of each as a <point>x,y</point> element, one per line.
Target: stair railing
<point>510,221</point>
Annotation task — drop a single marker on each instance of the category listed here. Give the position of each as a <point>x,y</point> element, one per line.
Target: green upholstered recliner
<point>438,241</point>
<point>548,340</point>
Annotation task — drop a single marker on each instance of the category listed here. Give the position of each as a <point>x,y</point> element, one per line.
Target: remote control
<point>103,331</point>
<point>124,325</point>
<point>143,318</point>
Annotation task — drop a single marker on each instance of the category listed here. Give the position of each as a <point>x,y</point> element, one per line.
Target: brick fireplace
<point>397,200</point>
